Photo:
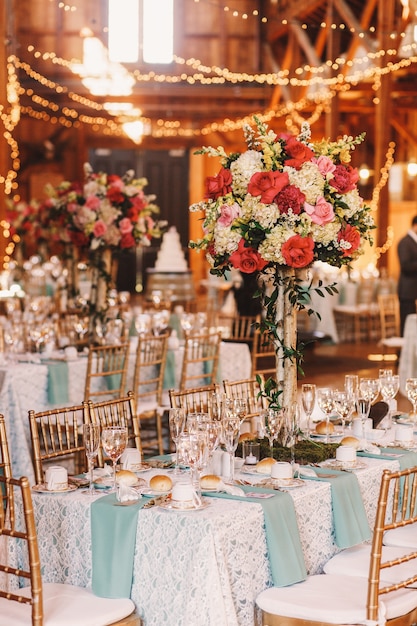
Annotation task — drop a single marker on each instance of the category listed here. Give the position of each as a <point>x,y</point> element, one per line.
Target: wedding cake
<point>171,256</point>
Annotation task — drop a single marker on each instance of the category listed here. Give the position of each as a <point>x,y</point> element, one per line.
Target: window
<point>141,26</point>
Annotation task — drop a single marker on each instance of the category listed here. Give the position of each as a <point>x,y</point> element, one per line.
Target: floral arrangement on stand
<point>98,219</point>
<point>28,230</point>
<point>275,209</point>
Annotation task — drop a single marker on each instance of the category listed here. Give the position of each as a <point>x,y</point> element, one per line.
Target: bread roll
<point>210,481</point>
<point>353,442</point>
<point>126,477</point>
<point>324,428</point>
<point>264,466</point>
<point>247,437</point>
<point>160,482</point>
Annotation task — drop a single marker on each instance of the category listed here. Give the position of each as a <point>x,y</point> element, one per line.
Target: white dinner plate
<point>43,489</point>
<point>168,505</point>
<point>282,483</point>
<point>347,467</point>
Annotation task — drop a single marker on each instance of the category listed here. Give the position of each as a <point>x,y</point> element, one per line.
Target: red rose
<point>246,259</point>
<point>298,152</point>
<point>78,239</point>
<point>220,185</point>
<point>344,178</point>
<point>127,241</point>
<point>290,198</point>
<point>349,234</point>
<point>115,195</point>
<point>298,251</point>
<point>267,185</point>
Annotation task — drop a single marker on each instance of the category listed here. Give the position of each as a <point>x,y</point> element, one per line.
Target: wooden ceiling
<point>287,40</point>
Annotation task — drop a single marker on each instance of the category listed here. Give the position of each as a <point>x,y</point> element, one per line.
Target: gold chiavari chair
<point>106,371</point>
<point>148,381</point>
<point>38,603</point>
<point>389,316</point>
<point>5,464</point>
<point>117,412</point>
<point>379,587</point>
<point>195,400</point>
<point>263,355</point>
<point>247,389</point>
<point>201,359</point>
<point>240,328</point>
<point>57,435</point>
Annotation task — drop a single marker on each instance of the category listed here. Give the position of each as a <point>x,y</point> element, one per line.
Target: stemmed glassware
<point>293,428</point>
<point>114,442</point>
<point>411,390</point>
<point>352,386</point>
<point>176,426</point>
<point>369,388</point>
<point>91,440</point>
<point>389,386</point>
<point>230,435</point>
<point>363,406</point>
<point>308,399</point>
<point>270,426</point>
<point>343,405</point>
<point>325,400</point>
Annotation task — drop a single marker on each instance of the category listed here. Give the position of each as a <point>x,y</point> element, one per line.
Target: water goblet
<point>343,405</point>
<point>363,406</point>
<point>176,421</point>
<point>325,401</point>
<point>411,390</point>
<point>389,385</point>
<point>292,420</point>
<point>240,406</point>
<point>91,440</point>
<point>271,425</point>
<point>352,385</point>
<point>114,442</point>
<point>230,432</point>
<point>308,399</point>
<point>369,388</point>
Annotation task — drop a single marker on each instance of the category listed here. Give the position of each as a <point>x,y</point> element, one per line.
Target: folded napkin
<point>113,538</point>
<point>349,517</point>
<point>57,382</point>
<point>283,540</point>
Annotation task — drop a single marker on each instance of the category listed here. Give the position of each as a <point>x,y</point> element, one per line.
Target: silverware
<point>155,502</point>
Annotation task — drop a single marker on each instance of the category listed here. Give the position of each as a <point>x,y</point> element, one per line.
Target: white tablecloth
<point>24,386</point>
<point>201,568</point>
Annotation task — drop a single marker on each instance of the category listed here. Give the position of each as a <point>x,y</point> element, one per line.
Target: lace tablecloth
<point>24,386</point>
<point>204,567</point>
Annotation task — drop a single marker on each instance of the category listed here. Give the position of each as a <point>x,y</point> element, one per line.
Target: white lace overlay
<point>204,567</point>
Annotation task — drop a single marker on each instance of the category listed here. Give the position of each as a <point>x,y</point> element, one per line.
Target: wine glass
<point>352,385</point>
<point>343,405</point>
<point>91,439</point>
<point>271,425</point>
<point>292,420</point>
<point>308,399</point>
<point>363,406</point>
<point>325,401</point>
<point>389,385</point>
<point>212,429</point>
<point>369,388</point>
<point>411,390</point>
<point>114,442</point>
<point>216,406</point>
<point>176,426</point>
<point>230,432</point>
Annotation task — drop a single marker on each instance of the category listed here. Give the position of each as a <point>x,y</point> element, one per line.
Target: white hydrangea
<point>354,202</point>
<point>326,233</point>
<point>270,248</point>
<point>308,179</point>
<point>108,213</point>
<point>265,214</point>
<point>243,169</point>
<point>226,240</point>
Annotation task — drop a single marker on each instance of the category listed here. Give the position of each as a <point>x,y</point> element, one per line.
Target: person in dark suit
<point>407,283</point>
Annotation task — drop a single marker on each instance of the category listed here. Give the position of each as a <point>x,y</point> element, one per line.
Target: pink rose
<point>290,198</point>
<point>349,234</point>
<point>267,185</point>
<point>228,213</point>
<point>325,165</point>
<point>320,213</point>
<point>99,228</point>
<point>246,259</point>
<point>344,178</point>
<point>298,251</point>
<point>125,226</point>
<point>72,207</point>
<point>298,153</point>
<point>93,203</point>
<point>220,185</point>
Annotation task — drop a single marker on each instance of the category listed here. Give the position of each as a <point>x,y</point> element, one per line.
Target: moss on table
<point>306,451</point>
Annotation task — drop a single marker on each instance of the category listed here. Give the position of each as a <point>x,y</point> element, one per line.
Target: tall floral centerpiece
<point>104,215</point>
<point>275,209</point>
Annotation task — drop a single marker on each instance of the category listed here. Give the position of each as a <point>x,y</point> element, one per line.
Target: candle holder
<point>250,452</point>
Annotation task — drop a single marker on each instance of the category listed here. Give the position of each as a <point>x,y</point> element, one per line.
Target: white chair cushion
<point>333,599</point>
<point>393,342</point>
<point>402,536</point>
<point>355,562</point>
<point>66,605</point>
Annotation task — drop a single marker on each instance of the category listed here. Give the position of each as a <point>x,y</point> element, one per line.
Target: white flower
<point>325,234</point>
<point>243,169</point>
<point>265,214</point>
<point>270,248</point>
<point>354,202</point>
<point>226,240</point>
<point>308,179</point>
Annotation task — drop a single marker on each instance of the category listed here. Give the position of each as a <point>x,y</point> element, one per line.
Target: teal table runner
<point>113,539</point>
<point>283,540</point>
<point>406,458</point>
<point>169,373</point>
<point>57,382</point>
<point>349,516</point>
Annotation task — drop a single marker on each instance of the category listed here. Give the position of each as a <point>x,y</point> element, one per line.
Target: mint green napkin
<point>57,382</point>
<point>349,516</point>
<point>283,540</point>
<point>406,458</point>
<point>113,539</point>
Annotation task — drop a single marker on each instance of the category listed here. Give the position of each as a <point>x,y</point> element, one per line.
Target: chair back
<point>389,315</point>
<point>150,362</point>
<point>5,464</point>
<point>247,389</point>
<point>201,359</point>
<point>239,328</point>
<point>117,412</point>
<point>57,435</point>
<point>23,532</point>
<point>263,355</point>
<point>197,400</point>
<point>106,371</point>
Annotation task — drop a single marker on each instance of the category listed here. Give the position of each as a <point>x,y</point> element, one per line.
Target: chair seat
<point>332,599</point>
<point>354,561</point>
<point>402,536</point>
<point>393,342</point>
<point>67,605</point>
